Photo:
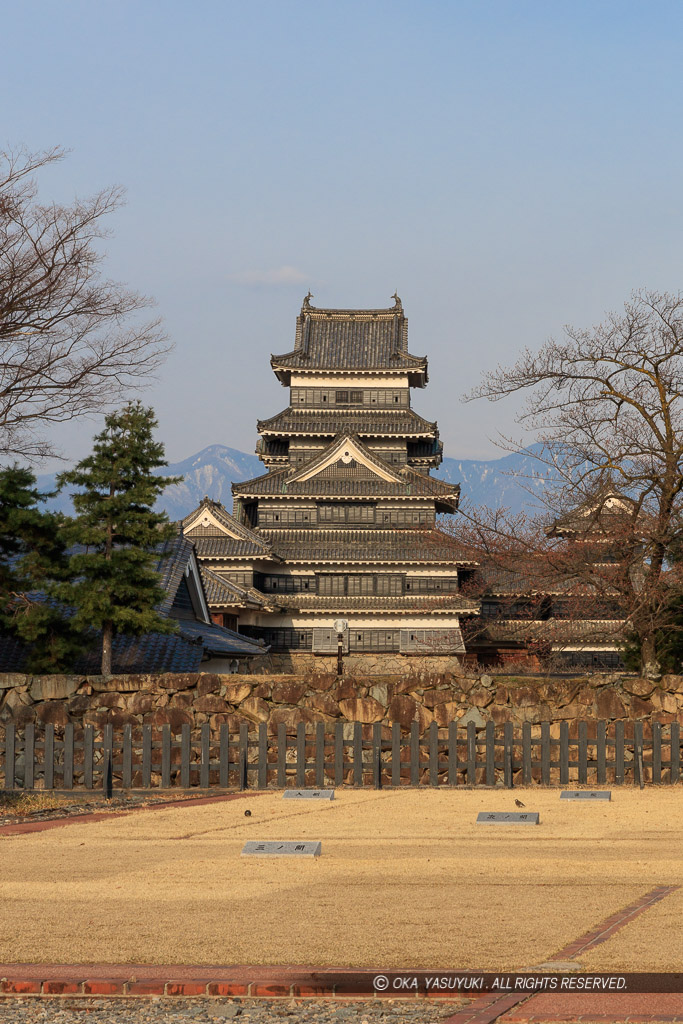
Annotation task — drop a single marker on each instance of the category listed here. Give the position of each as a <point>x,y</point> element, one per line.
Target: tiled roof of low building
<point>409,546</point>
<point>153,652</point>
<point>173,558</point>
<point>351,339</point>
<point>365,423</point>
<point>217,641</point>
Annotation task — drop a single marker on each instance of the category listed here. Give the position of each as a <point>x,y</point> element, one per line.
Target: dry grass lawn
<point>406,879</point>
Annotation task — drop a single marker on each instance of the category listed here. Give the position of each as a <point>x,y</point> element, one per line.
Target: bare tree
<point>607,404</point>
<point>70,341</point>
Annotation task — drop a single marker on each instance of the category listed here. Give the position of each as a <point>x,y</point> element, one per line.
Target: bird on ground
<point>247,814</point>
<point>519,803</point>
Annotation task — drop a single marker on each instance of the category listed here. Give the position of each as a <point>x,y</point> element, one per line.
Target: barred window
<point>341,397</point>
<point>347,512</point>
<point>431,584</point>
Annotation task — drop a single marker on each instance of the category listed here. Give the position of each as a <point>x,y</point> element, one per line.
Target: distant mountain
<point>512,482</point>
<point>210,472</point>
<point>495,482</point>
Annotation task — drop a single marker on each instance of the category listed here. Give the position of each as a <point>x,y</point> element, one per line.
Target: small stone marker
<point>310,794</point>
<point>508,818</point>
<point>586,794</point>
<point>281,849</point>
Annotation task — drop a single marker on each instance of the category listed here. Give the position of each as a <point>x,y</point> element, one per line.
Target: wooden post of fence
<point>564,753</point>
<point>166,756</point>
<point>127,769</point>
<point>656,752</point>
<point>262,778</point>
<point>675,735</point>
<point>107,763</point>
<point>452,754</point>
<point>300,755</point>
<point>471,754</point>
<point>49,756</point>
<point>69,755</point>
<point>146,756</point>
<point>545,753</point>
<point>602,753</point>
<point>281,755</point>
<point>526,753</point>
<point>583,753</point>
<point>29,754</point>
<point>224,756</point>
<point>619,753</point>
<point>395,754</point>
<point>320,755</point>
<point>10,733</point>
<point>185,755</point>
<point>338,754</point>
<point>490,755</point>
<point>357,754</point>
<point>243,759</point>
<point>205,763</point>
<point>88,754</point>
<point>508,740</point>
<point>433,754</point>
<point>414,754</point>
<point>377,755</point>
<point>638,753</point>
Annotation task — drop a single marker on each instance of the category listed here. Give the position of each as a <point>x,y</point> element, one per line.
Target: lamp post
<point>340,626</point>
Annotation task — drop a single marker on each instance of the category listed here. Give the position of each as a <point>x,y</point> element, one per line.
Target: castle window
<point>341,397</point>
<point>357,397</point>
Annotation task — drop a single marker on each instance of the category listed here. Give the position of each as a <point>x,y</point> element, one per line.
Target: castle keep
<point>343,523</point>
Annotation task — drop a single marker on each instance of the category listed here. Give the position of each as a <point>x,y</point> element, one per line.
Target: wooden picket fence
<point>143,758</point>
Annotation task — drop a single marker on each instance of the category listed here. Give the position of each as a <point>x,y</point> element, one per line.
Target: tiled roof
<point>228,547</point>
<point>219,641</point>
<point>407,602</point>
<point>238,530</point>
<point>509,583</point>
<point>556,631</point>
<point>351,339</point>
<point>365,546</point>
<point>173,558</point>
<point>153,652</point>
<point>221,592</point>
<point>365,423</point>
<point>412,485</point>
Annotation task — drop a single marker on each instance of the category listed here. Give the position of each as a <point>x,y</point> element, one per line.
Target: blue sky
<point>508,166</point>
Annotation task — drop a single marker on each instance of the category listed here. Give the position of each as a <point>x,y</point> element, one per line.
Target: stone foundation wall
<point>355,665</point>
<point>176,699</point>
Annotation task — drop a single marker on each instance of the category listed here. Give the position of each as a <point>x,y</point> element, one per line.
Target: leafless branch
<point>71,342</point>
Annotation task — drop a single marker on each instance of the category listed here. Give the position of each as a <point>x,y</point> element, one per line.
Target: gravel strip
<point>97,805</point>
<point>202,1011</point>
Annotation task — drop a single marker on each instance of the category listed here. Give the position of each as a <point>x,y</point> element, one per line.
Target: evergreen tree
<point>117,588</point>
<point>33,564</point>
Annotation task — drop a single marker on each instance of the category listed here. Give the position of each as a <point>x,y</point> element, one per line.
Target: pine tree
<point>117,588</point>
<point>33,564</point>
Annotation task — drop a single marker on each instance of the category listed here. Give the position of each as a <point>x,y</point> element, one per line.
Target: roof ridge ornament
<point>397,302</point>
<point>307,300</point>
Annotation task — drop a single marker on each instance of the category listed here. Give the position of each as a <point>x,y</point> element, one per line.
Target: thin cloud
<point>280,276</point>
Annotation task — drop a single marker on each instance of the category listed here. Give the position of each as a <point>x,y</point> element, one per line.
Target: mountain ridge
<point>511,481</point>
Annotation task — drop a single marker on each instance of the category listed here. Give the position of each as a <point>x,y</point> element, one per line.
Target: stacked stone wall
<point>193,699</point>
